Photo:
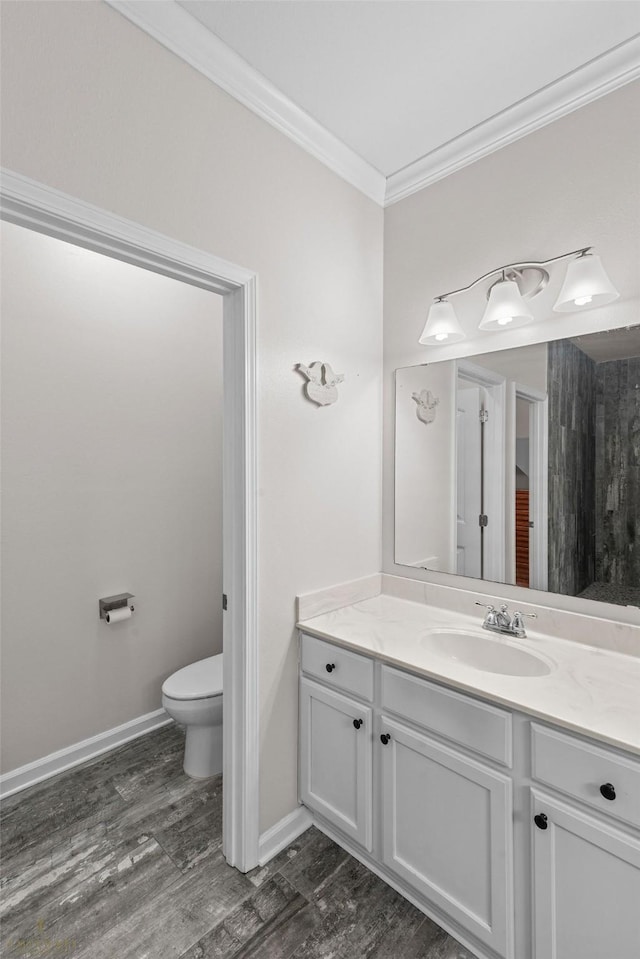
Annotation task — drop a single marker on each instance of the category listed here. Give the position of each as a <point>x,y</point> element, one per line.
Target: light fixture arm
<point>515,268</point>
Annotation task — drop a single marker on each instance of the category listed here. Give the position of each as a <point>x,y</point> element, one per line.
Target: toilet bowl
<point>193,698</point>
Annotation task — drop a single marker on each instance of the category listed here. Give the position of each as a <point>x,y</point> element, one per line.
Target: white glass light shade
<point>506,308</point>
<point>585,285</point>
<point>442,325</point>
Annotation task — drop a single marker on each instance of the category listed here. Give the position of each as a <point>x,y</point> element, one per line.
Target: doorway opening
<point>529,507</point>
<point>522,481</point>
<point>40,208</point>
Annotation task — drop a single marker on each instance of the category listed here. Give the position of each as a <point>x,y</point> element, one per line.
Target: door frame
<point>495,388</point>
<point>468,495</point>
<point>538,482</point>
<point>38,207</point>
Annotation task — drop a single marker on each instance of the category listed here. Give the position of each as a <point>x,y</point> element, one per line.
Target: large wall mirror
<point>523,466</point>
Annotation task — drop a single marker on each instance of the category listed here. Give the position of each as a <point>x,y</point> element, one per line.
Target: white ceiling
<point>395,94</point>
<point>396,80</point>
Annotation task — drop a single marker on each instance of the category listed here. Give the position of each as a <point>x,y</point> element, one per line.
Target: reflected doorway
<point>479,525</point>
<point>522,481</point>
<point>530,484</point>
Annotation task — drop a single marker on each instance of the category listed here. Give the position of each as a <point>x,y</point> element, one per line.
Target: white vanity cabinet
<point>336,738</point>
<point>446,831</point>
<point>521,840</point>
<point>446,815</point>
<point>586,867</point>
<point>442,808</point>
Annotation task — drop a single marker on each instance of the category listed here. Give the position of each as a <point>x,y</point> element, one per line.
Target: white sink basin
<point>483,652</point>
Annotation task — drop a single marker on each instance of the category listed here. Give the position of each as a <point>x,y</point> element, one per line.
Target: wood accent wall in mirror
<point>523,466</point>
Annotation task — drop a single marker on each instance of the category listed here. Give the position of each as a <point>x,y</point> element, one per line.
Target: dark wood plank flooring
<point>121,859</point>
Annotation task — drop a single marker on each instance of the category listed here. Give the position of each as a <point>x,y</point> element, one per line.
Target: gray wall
<point>618,472</point>
<point>571,381</point>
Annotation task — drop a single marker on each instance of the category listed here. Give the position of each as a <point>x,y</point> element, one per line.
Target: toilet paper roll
<point>117,615</point>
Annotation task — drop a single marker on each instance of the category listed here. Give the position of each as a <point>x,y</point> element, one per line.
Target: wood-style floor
<point>121,859</point>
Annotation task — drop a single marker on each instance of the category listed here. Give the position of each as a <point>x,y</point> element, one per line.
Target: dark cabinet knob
<point>384,739</point>
<point>608,791</point>
<point>541,821</point>
<point>358,723</point>
<point>331,667</point>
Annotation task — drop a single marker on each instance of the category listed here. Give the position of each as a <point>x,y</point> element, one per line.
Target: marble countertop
<point>588,690</point>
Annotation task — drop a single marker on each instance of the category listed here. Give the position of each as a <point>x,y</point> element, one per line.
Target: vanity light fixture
<point>442,325</point>
<point>586,285</point>
<point>506,306</point>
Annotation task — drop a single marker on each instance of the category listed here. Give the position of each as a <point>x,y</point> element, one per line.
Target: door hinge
<point>530,524</point>
<point>224,600</point>
<point>483,519</point>
<point>484,416</point>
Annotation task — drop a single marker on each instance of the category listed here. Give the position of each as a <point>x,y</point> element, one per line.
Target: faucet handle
<point>520,616</point>
<point>492,617</point>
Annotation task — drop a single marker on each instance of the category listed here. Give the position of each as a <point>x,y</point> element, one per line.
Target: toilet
<point>193,698</point>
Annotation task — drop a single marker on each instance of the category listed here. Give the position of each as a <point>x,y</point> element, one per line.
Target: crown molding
<point>600,76</point>
<point>171,25</point>
<point>182,34</point>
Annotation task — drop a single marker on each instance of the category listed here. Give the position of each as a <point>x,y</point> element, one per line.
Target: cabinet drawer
<point>480,727</point>
<point>580,770</point>
<point>350,672</point>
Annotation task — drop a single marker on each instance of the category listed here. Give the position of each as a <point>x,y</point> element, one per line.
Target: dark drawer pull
<point>541,821</point>
<point>608,791</point>
<point>385,738</point>
<point>330,667</point>
<point>358,723</point>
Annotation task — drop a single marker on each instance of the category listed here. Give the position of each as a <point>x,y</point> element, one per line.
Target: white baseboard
<point>279,836</point>
<point>58,762</point>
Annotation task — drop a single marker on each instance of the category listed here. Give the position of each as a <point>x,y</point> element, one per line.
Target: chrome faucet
<point>500,621</point>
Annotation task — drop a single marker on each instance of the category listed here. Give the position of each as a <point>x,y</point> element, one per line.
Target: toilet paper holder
<point>108,603</point>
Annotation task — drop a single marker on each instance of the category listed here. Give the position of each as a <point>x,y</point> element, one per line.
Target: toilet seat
<point>200,680</point>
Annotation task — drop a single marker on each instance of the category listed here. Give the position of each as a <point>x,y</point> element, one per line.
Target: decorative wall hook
<point>426,408</point>
<point>322,382</point>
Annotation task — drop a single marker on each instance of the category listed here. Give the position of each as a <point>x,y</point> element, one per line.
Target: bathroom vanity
<point>502,797</point>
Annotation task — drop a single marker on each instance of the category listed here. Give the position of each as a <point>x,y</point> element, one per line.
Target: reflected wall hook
<point>426,405</point>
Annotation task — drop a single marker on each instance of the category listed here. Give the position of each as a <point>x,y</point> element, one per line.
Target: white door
<point>447,828</point>
<point>586,902</point>
<point>468,478</point>
<point>335,760</point>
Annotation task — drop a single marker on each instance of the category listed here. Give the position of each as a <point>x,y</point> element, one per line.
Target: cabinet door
<point>586,886</point>
<point>335,759</point>
<point>447,832</point>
